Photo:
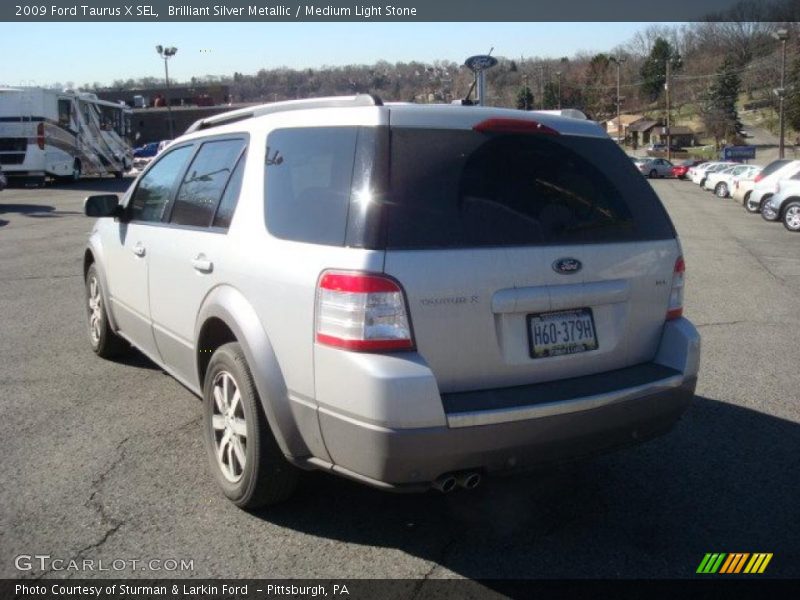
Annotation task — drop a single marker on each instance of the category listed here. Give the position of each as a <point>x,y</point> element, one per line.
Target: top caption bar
<point>400,10</point>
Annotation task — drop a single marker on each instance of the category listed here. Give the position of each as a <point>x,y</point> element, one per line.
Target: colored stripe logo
<point>733,563</point>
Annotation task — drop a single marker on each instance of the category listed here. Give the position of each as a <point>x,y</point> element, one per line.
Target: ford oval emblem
<point>567,266</point>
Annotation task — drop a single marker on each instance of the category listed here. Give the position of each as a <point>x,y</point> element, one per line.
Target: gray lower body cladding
<point>415,457</point>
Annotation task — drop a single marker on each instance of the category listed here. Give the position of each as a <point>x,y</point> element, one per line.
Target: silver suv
<point>409,296</point>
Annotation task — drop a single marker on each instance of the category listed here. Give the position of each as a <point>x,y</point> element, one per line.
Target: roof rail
<point>251,112</point>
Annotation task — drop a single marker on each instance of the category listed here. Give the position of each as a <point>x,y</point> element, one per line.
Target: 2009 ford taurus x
<point>408,296</point>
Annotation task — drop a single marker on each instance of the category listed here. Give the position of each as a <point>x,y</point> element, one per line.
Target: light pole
<point>618,60</point>
<point>782,35</point>
<point>166,54</point>
<point>558,75</point>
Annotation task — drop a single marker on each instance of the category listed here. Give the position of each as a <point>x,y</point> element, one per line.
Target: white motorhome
<point>49,133</point>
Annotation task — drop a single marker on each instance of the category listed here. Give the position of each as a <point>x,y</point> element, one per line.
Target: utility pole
<point>558,74</point>
<point>782,35</point>
<point>166,54</point>
<point>525,90</point>
<point>618,61</point>
<point>666,88</point>
<point>541,87</point>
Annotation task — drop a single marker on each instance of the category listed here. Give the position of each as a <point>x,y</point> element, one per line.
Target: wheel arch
<point>93,255</point>
<point>785,204</point>
<point>227,316</point>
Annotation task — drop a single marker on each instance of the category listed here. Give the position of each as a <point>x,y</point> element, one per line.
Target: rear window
<point>774,166</point>
<point>456,188</point>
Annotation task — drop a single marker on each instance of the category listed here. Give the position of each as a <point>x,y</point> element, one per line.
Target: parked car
<point>742,189</point>
<point>784,204</point>
<point>3,180</point>
<point>144,154</point>
<point>655,167</point>
<point>680,170</point>
<point>509,293</point>
<point>701,172</point>
<point>721,182</point>
<point>766,181</point>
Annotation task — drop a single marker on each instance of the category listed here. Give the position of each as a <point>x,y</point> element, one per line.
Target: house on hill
<point>625,121</point>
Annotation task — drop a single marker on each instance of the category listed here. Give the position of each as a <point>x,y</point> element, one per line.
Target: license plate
<point>561,332</point>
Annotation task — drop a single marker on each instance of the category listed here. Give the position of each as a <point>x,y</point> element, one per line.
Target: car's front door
<point>128,244</point>
<point>186,262</point>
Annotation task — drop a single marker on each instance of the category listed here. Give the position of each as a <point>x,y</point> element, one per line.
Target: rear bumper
<point>511,428</point>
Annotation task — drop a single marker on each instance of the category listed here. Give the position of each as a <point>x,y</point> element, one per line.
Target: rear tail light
<point>758,177</point>
<point>40,136</point>
<point>675,308</point>
<point>362,312</point>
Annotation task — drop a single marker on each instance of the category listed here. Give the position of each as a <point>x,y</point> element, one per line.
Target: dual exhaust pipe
<point>467,480</point>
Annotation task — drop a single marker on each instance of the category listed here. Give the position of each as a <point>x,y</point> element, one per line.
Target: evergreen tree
<point>654,69</point>
<point>719,115</point>
<point>550,96</point>
<point>525,98</point>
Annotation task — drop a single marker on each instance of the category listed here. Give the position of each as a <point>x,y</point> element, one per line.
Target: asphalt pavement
<point>104,461</point>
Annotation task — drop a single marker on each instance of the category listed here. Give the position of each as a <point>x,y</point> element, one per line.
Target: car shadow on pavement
<point>103,185</point>
<point>34,211</point>
<point>724,480</point>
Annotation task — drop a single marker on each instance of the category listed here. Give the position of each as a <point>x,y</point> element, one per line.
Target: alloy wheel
<point>230,427</point>
<point>95,307</point>
<point>792,218</point>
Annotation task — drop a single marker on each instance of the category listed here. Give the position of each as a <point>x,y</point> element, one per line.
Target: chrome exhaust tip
<point>469,480</point>
<point>445,484</point>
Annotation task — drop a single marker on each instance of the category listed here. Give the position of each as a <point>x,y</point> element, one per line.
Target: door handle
<point>138,249</point>
<point>202,264</point>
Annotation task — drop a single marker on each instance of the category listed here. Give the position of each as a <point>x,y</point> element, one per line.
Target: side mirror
<point>102,205</point>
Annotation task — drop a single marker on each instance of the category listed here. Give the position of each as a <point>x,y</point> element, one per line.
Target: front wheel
<point>105,342</point>
<point>750,205</point>
<point>653,174</point>
<point>721,190</point>
<point>791,216</point>
<point>245,458</point>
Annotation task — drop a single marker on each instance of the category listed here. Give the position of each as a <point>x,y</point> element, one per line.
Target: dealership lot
<point>104,460</point>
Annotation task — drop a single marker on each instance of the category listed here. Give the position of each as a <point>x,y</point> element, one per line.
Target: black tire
<point>76,170</point>
<point>791,223</point>
<point>266,478</point>
<point>764,199</point>
<point>750,207</point>
<point>721,190</point>
<point>653,174</point>
<point>105,342</point>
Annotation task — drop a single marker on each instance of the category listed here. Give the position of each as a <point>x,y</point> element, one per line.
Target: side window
<point>308,177</point>
<point>64,107</point>
<point>153,192</point>
<point>230,197</point>
<point>204,182</point>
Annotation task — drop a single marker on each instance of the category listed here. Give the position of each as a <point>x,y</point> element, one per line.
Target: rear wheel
<point>76,170</point>
<point>721,190</point>
<point>791,216</point>
<point>246,460</point>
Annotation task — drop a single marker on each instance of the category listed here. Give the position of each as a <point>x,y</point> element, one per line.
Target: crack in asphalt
<point>111,523</point>
<point>437,562</point>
